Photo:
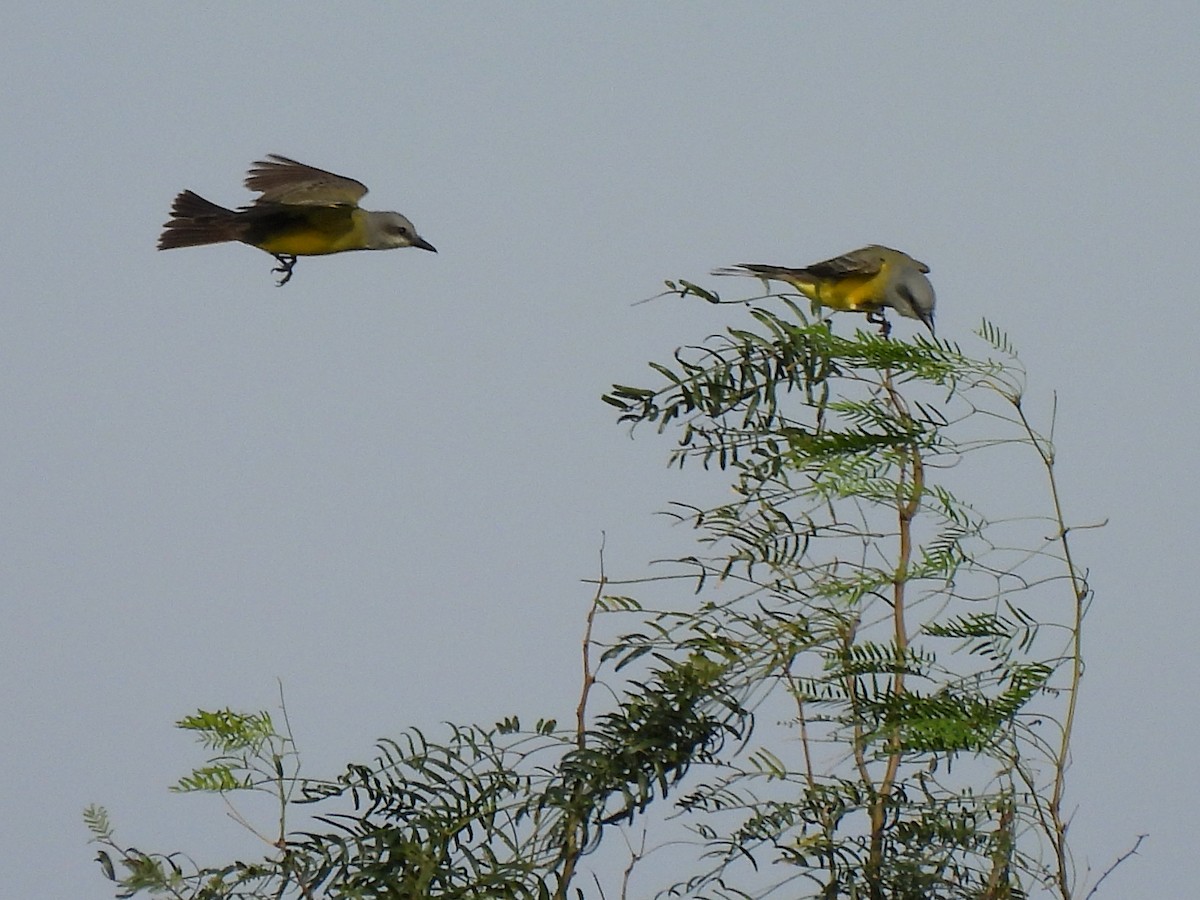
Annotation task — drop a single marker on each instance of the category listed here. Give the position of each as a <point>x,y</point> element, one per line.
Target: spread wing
<point>282,180</point>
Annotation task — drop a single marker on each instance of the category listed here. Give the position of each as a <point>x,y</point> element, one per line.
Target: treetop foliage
<point>867,692</point>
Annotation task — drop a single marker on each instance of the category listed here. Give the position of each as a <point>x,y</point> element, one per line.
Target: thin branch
<point>1132,851</point>
<point>1080,589</point>
<point>573,849</point>
<point>635,856</point>
<point>589,678</point>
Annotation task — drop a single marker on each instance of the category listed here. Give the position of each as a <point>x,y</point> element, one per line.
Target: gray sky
<point>384,482</point>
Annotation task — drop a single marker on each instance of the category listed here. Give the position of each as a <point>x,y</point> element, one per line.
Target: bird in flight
<point>300,211</point>
<point>865,280</point>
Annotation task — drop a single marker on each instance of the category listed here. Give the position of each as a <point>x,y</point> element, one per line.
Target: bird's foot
<point>284,269</point>
<point>878,318</point>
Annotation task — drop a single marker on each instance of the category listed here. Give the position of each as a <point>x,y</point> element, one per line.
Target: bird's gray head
<point>912,295</point>
<point>388,230</point>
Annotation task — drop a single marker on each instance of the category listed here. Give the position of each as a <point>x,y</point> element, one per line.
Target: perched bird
<point>300,211</point>
<point>865,280</point>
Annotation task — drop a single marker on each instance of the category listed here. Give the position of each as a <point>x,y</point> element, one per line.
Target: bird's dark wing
<point>282,180</point>
<point>864,262</point>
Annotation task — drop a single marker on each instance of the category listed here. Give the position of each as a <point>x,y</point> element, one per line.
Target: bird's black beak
<point>419,241</point>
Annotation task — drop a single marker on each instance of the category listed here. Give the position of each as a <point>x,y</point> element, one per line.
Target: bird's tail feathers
<point>196,221</point>
<point>775,273</point>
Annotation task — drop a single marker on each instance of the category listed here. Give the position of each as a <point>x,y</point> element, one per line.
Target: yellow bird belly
<point>310,231</point>
<point>854,293</point>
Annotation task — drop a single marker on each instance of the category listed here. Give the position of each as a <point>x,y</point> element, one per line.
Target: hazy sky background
<point>384,483</point>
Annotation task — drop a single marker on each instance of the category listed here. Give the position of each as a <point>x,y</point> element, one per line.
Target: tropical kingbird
<point>863,280</point>
<point>300,211</point>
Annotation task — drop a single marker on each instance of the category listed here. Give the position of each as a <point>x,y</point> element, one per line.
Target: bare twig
<point>1080,590</point>
<point>589,678</point>
<point>1132,851</point>
<point>573,848</point>
<point>635,856</point>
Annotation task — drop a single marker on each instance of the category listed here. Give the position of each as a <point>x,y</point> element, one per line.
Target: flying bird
<point>300,211</point>
<point>868,280</point>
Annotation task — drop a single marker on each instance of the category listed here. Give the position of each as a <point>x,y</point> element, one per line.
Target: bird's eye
<point>398,229</point>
